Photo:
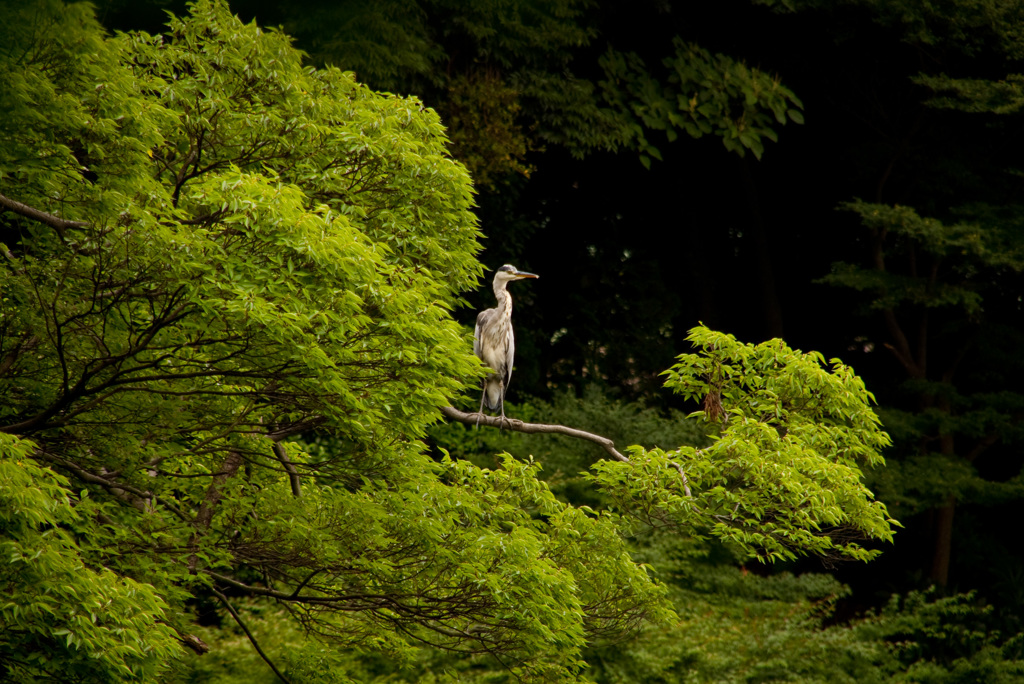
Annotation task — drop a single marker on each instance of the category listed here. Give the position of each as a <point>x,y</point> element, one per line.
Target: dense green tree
<point>790,431</point>
<point>213,248</point>
<point>226,325</point>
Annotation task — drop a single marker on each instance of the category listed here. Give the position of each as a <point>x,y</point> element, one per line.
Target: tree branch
<point>540,428</point>
<point>901,348</point>
<point>193,642</point>
<point>213,495</point>
<point>55,222</point>
<point>143,499</point>
<point>532,428</point>
<point>293,473</point>
<point>8,361</point>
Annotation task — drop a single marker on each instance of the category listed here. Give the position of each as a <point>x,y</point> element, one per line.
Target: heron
<point>494,342</point>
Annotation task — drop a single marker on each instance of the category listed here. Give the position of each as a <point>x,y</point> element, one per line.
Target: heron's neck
<point>503,297</point>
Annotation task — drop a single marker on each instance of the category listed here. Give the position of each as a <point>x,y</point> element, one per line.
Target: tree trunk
<point>942,549</point>
<point>943,542</point>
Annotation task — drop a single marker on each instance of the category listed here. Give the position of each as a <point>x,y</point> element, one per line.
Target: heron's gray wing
<point>510,355</point>
<point>481,327</point>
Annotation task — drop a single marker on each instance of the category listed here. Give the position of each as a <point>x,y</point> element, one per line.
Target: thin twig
<point>686,482</point>
<point>252,639</point>
<point>143,499</point>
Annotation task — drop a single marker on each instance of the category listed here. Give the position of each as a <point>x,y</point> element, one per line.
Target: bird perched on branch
<point>494,342</point>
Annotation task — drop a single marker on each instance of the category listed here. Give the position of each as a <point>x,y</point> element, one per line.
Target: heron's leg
<point>480,413</point>
<point>503,418</point>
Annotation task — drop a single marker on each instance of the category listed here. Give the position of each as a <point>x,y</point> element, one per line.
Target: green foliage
<point>705,94</point>
<point>387,44</point>
<point>943,277</point>
<point>226,327</point>
<point>732,625</point>
<point>482,65</point>
<point>970,27</point>
<point>743,631</point>
<point>976,95</point>
<point>738,627</point>
<point>256,220</point>
<point>945,641</point>
<point>490,142</point>
<point>972,251</point>
<point>923,479</point>
<point>40,84</point>
<point>505,77</point>
<point>63,617</point>
<point>783,475</point>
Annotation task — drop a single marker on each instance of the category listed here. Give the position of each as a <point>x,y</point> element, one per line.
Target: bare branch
<point>540,428</point>
<point>682,474</point>
<point>532,428</point>
<point>55,222</point>
<point>304,582</point>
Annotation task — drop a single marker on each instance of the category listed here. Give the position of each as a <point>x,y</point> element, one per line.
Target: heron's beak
<point>524,274</point>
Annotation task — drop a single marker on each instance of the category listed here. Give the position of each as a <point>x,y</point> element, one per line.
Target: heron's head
<point>508,273</point>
